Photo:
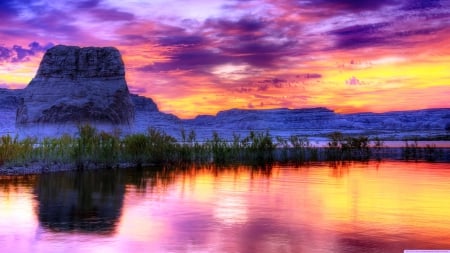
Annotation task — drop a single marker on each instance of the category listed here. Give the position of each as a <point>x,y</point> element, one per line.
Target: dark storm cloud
<point>19,54</point>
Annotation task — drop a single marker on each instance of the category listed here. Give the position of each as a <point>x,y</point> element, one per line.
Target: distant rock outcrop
<point>76,85</point>
<point>9,99</point>
<point>142,103</point>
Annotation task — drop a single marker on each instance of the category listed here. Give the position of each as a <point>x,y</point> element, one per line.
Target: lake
<point>383,206</point>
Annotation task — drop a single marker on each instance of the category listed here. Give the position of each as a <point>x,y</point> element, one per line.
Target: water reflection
<point>88,201</point>
<point>316,207</point>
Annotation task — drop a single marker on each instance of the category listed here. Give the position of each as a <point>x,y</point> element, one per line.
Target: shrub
<point>8,149</point>
<point>135,148</point>
<point>84,147</point>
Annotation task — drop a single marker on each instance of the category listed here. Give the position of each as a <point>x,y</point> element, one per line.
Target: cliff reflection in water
<point>89,201</point>
<point>92,201</point>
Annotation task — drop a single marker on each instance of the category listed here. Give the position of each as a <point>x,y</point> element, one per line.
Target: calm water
<point>357,207</point>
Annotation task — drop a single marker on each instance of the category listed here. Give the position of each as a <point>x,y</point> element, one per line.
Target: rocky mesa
<point>76,85</point>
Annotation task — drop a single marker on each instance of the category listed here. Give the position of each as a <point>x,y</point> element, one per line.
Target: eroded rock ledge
<point>77,85</point>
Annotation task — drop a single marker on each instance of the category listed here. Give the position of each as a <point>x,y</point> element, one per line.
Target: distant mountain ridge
<point>280,122</point>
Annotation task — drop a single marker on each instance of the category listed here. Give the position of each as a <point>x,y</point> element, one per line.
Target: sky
<point>197,57</point>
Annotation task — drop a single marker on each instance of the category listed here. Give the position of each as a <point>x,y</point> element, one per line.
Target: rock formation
<point>77,85</point>
<point>144,103</point>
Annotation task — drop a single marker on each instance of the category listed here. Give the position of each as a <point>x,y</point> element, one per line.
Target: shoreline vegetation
<point>93,149</point>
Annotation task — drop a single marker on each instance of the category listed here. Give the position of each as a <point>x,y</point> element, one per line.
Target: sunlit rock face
<point>77,85</point>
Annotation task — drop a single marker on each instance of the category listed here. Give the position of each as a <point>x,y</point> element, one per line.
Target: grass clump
<point>91,148</point>
<point>341,147</point>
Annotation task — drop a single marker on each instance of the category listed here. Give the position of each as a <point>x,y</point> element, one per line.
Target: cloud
<point>259,52</point>
<point>354,5</point>
<point>5,53</point>
<point>254,41</point>
<point>55,22</point>
<point>20,54</point>
<point>201,59</point>
<point>357,36</point>
<point>243,25</point>
<point>360,30</point>
<point>111,15</point>
<point>248,41</point>
<point>353,81</point>
<point>310,76</point>
<point>8,9</point>
<point>181,40</point>
<point>137,90</point>
<point>87,4</point>
<point>422,4</point>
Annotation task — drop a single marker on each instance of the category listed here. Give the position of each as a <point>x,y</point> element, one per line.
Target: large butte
<point>77,85</point>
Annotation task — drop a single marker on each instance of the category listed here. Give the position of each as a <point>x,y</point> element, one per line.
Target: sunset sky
<point>202,56</point>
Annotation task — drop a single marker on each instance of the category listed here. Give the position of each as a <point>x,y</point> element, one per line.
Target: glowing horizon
<point>201,57</point>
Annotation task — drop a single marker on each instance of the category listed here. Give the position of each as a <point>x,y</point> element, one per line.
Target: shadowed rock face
<point>77,85</point>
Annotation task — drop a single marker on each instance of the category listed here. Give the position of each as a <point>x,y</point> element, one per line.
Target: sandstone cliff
<point>77,85</point>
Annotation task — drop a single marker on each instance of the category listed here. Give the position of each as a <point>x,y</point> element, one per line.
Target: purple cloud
<point>20,54</point>
<point>356,36</point>
<point>245,24</point>
<point>422,4</point>
<point>353,5</point>
<point>87,4</point>
<point>312,76</point>
<point>5,53</point>
<point>260,53</point>
<point>221,41</point>
<point>360,30</point>
<point>181,40</point>
<point>199,60</point>
<point>111,15</point>
<point>353,81</point>
<point>8,9</point>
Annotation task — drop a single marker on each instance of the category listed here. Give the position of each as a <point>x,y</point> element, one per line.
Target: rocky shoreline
<point>42,167</point>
